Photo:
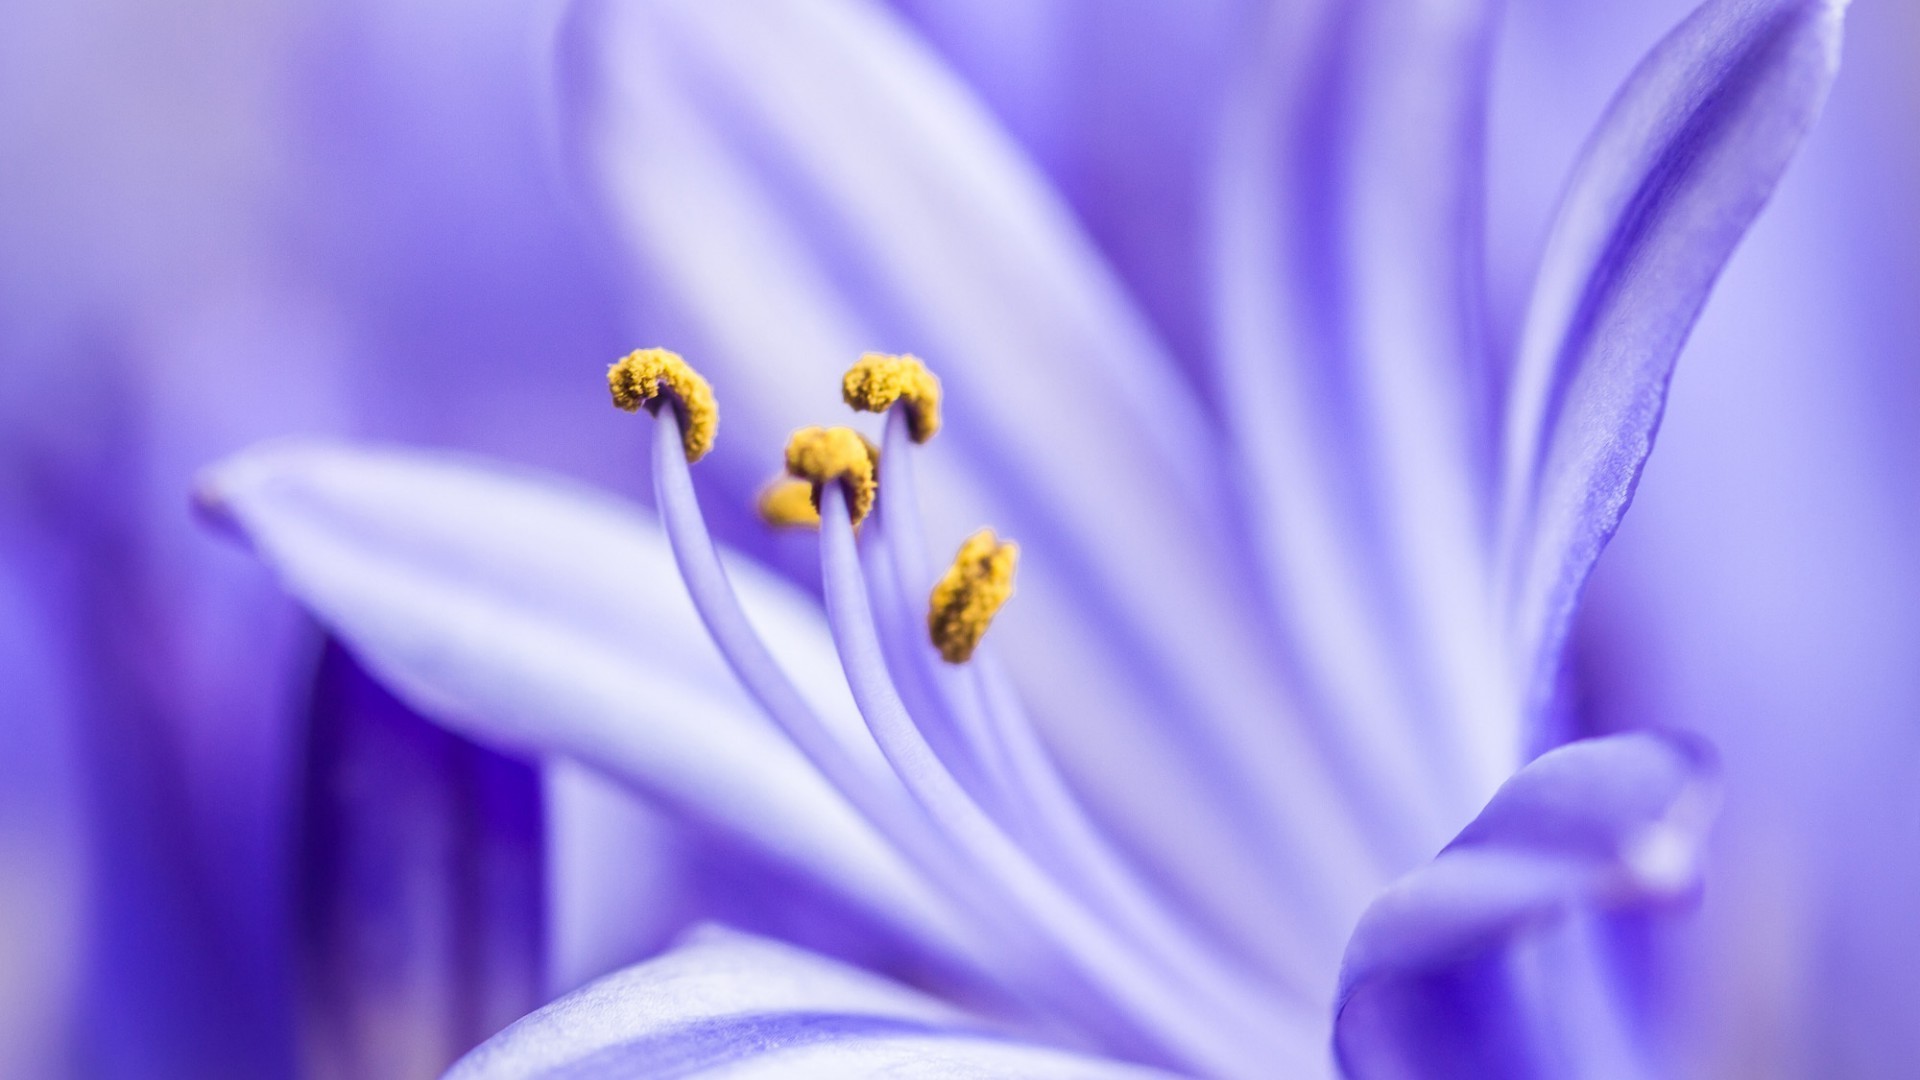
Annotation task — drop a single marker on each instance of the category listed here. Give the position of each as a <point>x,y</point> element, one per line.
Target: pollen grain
<point>645,376</point>
<point>970,594</point>
<point>837,454</point>
<point>876,381</point>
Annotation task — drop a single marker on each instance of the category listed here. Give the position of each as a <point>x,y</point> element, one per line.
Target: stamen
<point>823,455</point>
<point>903,643</point>
<point>788,504</point>
<point>904,541</point>
<point>978,700</point>
<point>1025,920</point>
<point>1107,961</point>
<point>868,784</point>
<point>645,376</point>
<point>877,380</point>
<point>967,598</point>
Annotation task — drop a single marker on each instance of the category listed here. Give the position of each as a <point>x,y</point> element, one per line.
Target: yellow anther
<point>645,376</point>
<point>970,594</point>
<point>825,455</point>
<point>788,504</point>
<point>877,380</point>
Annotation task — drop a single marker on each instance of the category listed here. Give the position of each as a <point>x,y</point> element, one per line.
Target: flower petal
<point>41,837</point>
<point>1685,158</point>
<point>728,1003</point>
<point>1345,240</point>
<point>1119,106</point>
<point>617,888</point>
<point>542,617</point>
<point>795,187</point>
<point>625,879</point>
<point>1767,595</point>
<point>1606,827</point>
<point>419,884</point>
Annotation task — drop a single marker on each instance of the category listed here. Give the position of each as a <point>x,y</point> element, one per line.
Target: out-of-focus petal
<point>222,221</point>
<point>144,141</point>
<point>1346,238</point>
<point>1468,966</point>
<point>726,1003</point>
<point>42,857</point>
<point>1685,158</point>
<point>1120,107</point>
<point>625,879</point>
<point>617,888</point>
<point>419,885</point>
<point>539,616</point>
<point>798,186</point>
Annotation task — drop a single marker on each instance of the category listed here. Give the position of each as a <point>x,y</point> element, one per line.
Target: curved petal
<point>1470,966</point>
<point>1685,158</point>
<point>726,1003</point>
<point>1345,243</point>
<point>794,187</point>
<point>1766,594</point>
<point>418,883</point>
<point>539,616</point>
<point>1119,105</point>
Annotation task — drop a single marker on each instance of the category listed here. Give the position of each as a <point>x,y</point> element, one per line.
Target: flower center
<point>955,777</point>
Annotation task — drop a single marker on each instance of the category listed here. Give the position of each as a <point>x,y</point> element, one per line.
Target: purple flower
<point>1285,636</point>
